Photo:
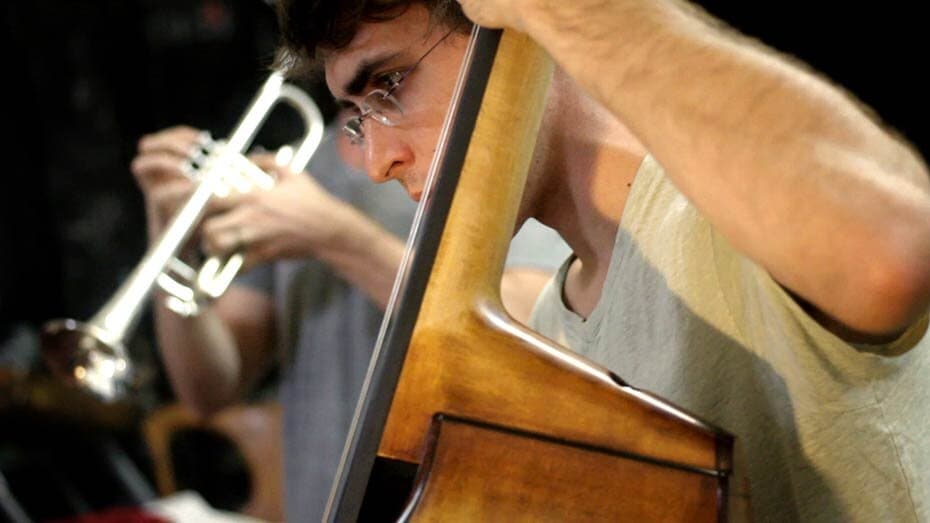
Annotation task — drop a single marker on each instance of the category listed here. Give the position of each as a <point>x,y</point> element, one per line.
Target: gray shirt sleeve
<point>259,278</point>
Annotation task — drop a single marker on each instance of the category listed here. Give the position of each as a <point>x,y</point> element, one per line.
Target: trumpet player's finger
<point>256,254</point>
<point>238,232</point>
<point>169,197</point>
<point>225,234</point>
<point>226,203</point>
<point>269,163</point>
<point>263,160</point>
<point>180,140</point>
<point>220,242</point>
<point>154,168</point>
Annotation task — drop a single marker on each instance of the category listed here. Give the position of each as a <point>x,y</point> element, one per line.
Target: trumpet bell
<point>81,354</point>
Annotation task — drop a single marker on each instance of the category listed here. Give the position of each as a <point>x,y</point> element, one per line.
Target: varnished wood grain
<point>473,474</point>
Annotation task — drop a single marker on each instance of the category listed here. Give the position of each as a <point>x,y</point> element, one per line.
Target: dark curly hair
<point>311,28</point>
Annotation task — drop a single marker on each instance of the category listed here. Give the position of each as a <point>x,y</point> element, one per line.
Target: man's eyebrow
<point>363,73</point>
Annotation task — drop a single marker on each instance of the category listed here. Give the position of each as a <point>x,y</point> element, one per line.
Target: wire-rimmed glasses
<point>381,105</point>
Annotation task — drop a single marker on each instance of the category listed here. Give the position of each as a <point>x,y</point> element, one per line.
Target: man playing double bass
<point>749,243</point>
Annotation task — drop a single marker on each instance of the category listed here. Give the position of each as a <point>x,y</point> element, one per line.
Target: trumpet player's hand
<point>296,218</point>
<point>159,171</point>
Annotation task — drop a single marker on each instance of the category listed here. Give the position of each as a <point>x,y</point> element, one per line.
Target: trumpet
<point>92,355</point>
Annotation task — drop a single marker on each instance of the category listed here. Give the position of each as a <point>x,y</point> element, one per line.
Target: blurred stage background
<point>86,78</point>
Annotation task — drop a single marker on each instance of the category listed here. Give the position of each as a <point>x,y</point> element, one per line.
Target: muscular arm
<point>787,166</point>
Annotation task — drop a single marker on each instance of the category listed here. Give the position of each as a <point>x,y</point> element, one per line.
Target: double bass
<point>484,418</point>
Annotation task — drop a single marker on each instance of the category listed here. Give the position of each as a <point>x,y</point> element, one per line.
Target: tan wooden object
<point>518,486</point>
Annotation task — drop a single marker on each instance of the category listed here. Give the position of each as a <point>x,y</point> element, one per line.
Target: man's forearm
<point>786,166</point>
<point>199,357</point>
<point>214,358</point>
<point>364,253</point>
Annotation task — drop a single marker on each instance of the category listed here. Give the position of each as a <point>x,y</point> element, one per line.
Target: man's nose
<point>387,154</point>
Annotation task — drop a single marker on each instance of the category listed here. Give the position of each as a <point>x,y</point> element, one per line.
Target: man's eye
<point>390,80</point>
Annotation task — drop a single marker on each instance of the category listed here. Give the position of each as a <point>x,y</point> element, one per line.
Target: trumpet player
<point>321,252</point>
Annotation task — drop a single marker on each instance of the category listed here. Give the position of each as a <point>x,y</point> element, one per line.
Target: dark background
<point>84,79</point>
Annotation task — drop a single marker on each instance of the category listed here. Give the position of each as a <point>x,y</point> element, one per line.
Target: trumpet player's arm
<point>214,359</point>
<point>790,168</point>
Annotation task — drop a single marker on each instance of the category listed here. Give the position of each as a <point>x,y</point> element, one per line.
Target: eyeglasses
<point>381,105</point>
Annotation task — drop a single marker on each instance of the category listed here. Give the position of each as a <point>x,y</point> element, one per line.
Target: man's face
<point>402,152</point>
